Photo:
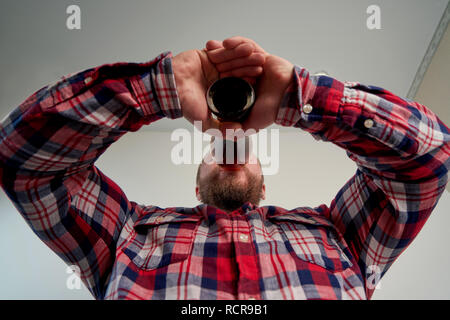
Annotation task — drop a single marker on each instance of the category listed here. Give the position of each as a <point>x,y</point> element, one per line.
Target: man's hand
<point>194,73</point>
<point>270,85</point>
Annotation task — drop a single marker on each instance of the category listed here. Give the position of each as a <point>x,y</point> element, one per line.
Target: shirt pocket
<point>314,240</point>
<point>161,238</point>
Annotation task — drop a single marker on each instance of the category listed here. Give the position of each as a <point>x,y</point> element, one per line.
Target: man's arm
<point>401,149</point>
<point>48,147</point>
<point>49,144</point>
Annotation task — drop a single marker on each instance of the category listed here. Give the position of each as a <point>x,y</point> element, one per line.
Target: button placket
<point>246,258</point>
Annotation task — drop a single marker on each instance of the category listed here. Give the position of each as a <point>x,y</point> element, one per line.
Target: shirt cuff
<point>156,90</point>
<point>309,99</point>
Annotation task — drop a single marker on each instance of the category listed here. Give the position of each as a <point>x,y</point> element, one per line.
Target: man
<point>228,247</point>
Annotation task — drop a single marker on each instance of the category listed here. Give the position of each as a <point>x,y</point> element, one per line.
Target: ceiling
<point>37,48</point>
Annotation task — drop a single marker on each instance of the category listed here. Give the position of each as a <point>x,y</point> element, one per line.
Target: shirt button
<point>243,237</point>
<point>87,80</point>
<point>368,123</point>
<point>307,108</point>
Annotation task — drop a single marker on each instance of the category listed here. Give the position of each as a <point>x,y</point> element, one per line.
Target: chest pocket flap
<point>161,238</point>
<point>313,239</point>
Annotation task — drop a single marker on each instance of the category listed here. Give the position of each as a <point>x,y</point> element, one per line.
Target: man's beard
<point>228,192</point>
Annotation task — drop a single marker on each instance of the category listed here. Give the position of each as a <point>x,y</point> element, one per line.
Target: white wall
<point>310,173</point>
<point>433,91</point>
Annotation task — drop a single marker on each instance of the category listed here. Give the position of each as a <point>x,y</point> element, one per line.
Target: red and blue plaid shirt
<point>124,250</point>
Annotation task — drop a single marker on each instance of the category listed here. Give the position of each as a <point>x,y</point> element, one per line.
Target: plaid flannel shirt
<point>124,250</point>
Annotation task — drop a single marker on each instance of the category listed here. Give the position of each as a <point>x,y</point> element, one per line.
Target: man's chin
<point>229,187</point>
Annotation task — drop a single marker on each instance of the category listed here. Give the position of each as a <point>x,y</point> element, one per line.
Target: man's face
<point>229,186</point>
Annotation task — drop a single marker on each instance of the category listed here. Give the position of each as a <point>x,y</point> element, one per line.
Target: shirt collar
<point>206,210</point>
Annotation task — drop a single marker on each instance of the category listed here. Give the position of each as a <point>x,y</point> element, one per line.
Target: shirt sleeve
<point>48,147</point>
<point>401,150</point>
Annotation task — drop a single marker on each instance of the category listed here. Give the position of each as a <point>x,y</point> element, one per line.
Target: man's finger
<point>233,42</point>
<point>251,71</point>
<point>213,44</point>
<point>222,55</point>
<point>256,59</point>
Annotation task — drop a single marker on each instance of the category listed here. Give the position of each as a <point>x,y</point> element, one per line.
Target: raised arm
<point>49,144</point>
<point>400,147</point>
<point>48,147</point>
